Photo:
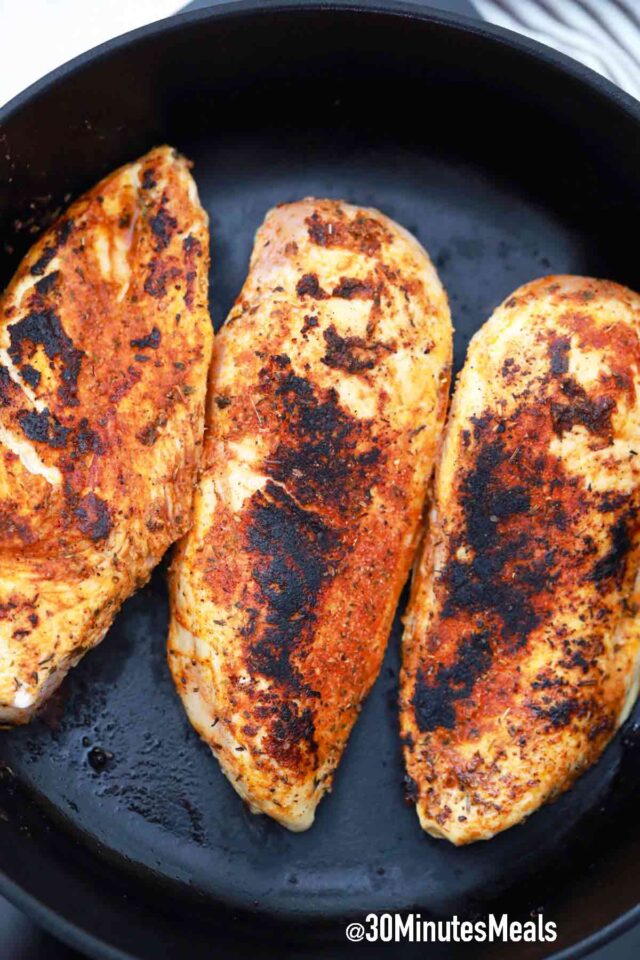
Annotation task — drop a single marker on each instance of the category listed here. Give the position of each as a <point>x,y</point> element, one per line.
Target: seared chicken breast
<point>521,641</point>
<point>105,342</point>
<point>327,397</point>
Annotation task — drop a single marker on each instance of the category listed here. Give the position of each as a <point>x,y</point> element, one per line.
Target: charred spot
<point>222,402</point>
<point>281,360</point>
<point>85,440</point>
<point>43,427</point>
<point>411,789</point>
<point>190,278</point>
<point>537,577</point>
<point>93,517</point>
<point>623,382</point>
<point>47,284</point>
<point>611,501</point>
<point>613,564</point>
<point>148,181</point>
<point>30,375</point>
<point>559,355</point>
<point>483,584</point>
<point>291,728</point>
<point>192,248</point>
<point>545,682</point>
<point>151,340</point>
<point>292,548</point>
<point>480,424</point>
<point>63,232</point>
<point>325,455</point>
<point>350,288</point>
<point>510,368</point>
<point>508,502</point>
<point>191,244</point>
<point>559,517</point>
<point>158,277</point>
<point>363,233</point>
<point>434,703</point>
<point>578,659</point>
<point>61,235</point>
<point>43,328</point>
<point>162,226</point>
<point>44,260</point>
<point>309,286</point>
<point>309,323</point>
<point>560,714</point>
<point>149,434</point>
<point>320,231</point>
<point>604,727</point>
<point>352,354</point>
<point>579,409</point>
<point>7,387</point>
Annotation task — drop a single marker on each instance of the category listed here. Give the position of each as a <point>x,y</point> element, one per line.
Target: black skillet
<point>117,830</point>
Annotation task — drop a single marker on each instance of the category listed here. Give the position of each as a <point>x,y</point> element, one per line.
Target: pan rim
<point>70,931</point>
<point>409,9</point>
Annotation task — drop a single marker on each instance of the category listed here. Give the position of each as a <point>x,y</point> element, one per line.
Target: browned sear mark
<point>309,286</point>
<point>352,354</point>
<point>363,234</point>
<point>350,288</point>
<point>93,517</point>
<point>580,409</point>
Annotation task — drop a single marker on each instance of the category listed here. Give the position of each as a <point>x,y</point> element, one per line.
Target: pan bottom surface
<point>114,755</point>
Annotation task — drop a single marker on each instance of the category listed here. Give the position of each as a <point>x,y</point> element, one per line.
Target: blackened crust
<point>352,354</point>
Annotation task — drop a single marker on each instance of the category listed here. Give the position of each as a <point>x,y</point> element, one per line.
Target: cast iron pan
<point>117,829</point>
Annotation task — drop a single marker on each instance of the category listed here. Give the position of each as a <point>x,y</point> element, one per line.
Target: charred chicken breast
<point>521,641</point>
<point>105,341</point>
<point>327,396</point>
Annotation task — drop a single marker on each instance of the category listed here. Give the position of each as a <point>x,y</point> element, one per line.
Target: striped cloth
<point>603,34</point>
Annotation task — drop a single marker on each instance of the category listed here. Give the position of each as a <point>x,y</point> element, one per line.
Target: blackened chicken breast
<point>521,640</point>
<point>328,393</point>
<point>105,342</point>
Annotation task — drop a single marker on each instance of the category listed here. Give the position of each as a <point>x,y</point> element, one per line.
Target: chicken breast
<point>105,342</point>
<point>521,641</point>
<point>327,397</point>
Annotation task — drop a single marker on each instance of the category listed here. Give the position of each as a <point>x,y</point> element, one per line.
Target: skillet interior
<point>502,183</point>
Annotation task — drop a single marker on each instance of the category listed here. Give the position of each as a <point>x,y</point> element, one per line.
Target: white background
<point>38,35</point>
